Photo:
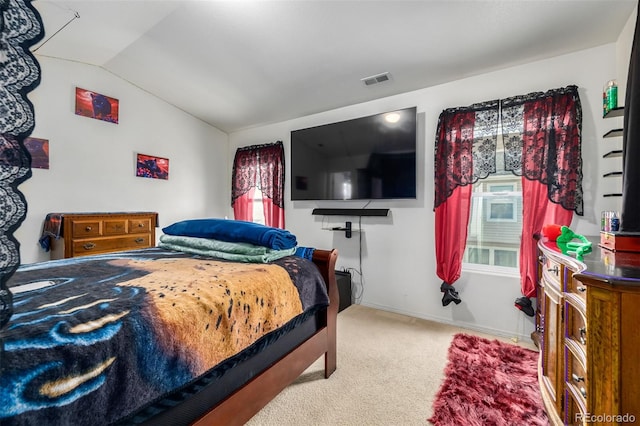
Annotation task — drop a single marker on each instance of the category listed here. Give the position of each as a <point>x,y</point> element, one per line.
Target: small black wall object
<point>348,230</point>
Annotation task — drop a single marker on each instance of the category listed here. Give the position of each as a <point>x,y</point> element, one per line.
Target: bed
<point>167,335</point>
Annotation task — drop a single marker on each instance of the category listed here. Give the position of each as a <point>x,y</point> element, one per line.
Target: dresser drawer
<point>552,271</point>
<point>576,287</point>
<point>576,326</point>
<point>577,374</point>
<point>576,410</point>
<point>88,233</point>
<point>575,378</point>
<point>85,228</point>
<point>137,226</point>
<point>115,227</point>
<point>103,245</point>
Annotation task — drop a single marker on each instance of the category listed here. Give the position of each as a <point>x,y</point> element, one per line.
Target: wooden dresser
<point>588,324</point>
<point>82,234</point>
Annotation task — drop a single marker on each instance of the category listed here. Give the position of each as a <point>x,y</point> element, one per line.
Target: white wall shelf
<point>615,153</point>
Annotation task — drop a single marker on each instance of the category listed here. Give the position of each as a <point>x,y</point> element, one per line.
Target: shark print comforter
<point>94,339</point>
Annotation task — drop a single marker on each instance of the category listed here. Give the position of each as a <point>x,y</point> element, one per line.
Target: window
<point>258,207</point>
<point>257,184</point>
<point>495,220</point>
<point>502,203</point>
<point>478,255</point>
<point>508,258</point>
<point>500,211</point>
<point>491,256</point>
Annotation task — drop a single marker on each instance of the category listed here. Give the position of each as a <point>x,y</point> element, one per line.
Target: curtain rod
<point>76,15</point>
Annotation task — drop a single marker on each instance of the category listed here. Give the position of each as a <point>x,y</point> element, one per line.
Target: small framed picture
<point>95,105</point>
<point>150,166</point>
<point>39,150</point>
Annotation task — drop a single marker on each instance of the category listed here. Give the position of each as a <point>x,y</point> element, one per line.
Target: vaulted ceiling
<point>238,63</point>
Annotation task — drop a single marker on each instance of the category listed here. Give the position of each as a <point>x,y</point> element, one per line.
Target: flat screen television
<point>367,158</point>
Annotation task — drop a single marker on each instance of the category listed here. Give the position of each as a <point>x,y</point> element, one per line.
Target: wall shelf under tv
<point>350,212</point>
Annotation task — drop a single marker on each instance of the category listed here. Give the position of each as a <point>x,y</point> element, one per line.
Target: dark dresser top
<point>612,267</point>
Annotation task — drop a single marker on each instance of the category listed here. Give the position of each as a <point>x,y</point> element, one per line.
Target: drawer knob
<point>140,225</point>
<point>583,337</point>
<point>583,391</point>
<point>89,246</point>
<point>554,269</point>
<point>577,378</point>
<point>88,228</point>
<point>581,288</point>
<point>139,240</point>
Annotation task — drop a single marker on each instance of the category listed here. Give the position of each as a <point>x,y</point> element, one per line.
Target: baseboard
<point>473,327</point>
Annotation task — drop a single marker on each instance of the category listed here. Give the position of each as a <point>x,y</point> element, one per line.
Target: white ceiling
<point>237,64</point>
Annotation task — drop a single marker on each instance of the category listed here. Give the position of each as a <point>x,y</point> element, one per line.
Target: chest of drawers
<point>588,321</point>
<point>83,234</point>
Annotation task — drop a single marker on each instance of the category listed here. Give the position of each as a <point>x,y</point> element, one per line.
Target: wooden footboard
<point>243,404</point>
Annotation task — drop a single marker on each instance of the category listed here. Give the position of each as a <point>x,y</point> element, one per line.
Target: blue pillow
<point>305,252</point>
<point>236,231</point>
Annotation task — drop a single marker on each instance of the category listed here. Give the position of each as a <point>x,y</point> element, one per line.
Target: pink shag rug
<point>488,382</point>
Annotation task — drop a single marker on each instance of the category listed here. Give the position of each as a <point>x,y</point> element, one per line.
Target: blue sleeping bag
<point>234,231</point>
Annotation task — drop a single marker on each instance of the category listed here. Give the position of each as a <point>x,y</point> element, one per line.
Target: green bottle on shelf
<point>611,96</point>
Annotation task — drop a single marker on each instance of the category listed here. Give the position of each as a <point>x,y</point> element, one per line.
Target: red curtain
<point>271,163</point>
<point>548,127</point>
<point>243,206</point>
<point>259,166</point>
<point>452,219</point>
<point>537,211</point>
<point>243,183</point>
<point>463,137</point>
<point>273,214</point>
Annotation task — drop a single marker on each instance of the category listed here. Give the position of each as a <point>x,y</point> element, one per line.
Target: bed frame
<point>244,403</point>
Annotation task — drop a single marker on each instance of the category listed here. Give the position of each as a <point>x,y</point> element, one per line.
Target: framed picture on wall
<point>39,150</point>
<point>95,105</point>
<point>150,166</point>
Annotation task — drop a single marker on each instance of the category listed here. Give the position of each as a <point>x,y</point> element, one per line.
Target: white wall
<point>92,169</point>
<point>92,162</point>
<point>623,54</point>
<point>398,258</point>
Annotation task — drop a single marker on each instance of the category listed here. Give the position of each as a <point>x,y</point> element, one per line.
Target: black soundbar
<point>350,212</point>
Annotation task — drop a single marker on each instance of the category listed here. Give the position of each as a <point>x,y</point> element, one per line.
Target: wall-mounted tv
<point>367,158</point>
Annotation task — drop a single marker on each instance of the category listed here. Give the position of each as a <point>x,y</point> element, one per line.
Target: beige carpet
<point>390,368</point>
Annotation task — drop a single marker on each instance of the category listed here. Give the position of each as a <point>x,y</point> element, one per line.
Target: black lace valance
<point>542,141</point>
<point>465,147</point>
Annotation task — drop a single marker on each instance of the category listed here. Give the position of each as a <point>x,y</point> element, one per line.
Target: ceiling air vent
<point>375,79</point>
